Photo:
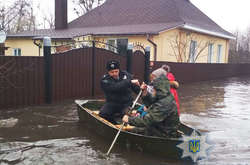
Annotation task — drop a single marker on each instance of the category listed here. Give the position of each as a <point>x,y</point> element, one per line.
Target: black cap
<point>112,64</point>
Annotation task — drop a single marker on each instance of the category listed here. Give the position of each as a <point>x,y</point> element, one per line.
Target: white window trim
<point>210,53</point>
<point>193,55</point>
<point>219,54</point>
<point>17,49</point>
<point>107,46</point>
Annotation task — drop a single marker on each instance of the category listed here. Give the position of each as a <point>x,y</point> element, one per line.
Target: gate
<point>78,72</point>
<point>140,63</point>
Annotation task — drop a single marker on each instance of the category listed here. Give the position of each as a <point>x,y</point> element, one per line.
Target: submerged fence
<point>72,74</point>
<point>77,73</point>
<point>189,72</point>
<point>21,81</point>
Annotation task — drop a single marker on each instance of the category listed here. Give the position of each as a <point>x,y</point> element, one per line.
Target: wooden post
<point>47,69</point>
<point>147,63</point>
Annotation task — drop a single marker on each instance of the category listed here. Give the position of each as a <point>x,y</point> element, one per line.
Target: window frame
<point>192,51</point>
<point>219,53</point>
<point>109,47</point>
<point>115,48</point>
<point>17,52</point>
<point>210,53</point>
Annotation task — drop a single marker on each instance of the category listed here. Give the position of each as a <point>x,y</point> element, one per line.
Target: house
<point>175,30</point>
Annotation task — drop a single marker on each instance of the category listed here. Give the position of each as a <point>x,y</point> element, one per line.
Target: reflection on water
<point>222,109</point>
<point>52,135</point>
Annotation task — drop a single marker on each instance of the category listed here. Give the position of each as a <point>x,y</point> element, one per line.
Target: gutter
<point>154,45</point>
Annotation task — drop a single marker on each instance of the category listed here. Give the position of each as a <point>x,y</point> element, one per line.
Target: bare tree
<point>17,16</point>
<point>6,16</point>
<point>26,18</point>
<point>49,21</point>
<point>240,48</point>
<point>234,44</point>
<point>247,40</point>
<point>84,6</point>
<point>181,47</point>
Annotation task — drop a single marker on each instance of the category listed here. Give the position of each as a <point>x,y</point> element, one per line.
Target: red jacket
<point>171,77</point>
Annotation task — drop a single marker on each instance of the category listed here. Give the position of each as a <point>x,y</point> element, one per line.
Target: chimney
<point>61,14</point>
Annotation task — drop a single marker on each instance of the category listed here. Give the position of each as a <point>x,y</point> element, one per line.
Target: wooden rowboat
<point>166,147</point>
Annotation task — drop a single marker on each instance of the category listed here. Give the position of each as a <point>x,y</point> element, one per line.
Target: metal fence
<point>21,81</point>
<point>77,73</point>
<point>71,74</point>
<point>190,72</point>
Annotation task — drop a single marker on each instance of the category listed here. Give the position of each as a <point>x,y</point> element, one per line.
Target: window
<point>219,54</point>
<point>210,53</point>
<point>111,45</point>
<point>117,45</point>
<point>192,51</point>
<point>17,52</point>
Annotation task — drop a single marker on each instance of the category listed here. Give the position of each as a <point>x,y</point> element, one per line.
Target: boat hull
<point>166,147</point>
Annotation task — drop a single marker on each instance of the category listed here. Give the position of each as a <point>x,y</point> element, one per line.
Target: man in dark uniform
<point>162,119</point>
<point>117,86</point>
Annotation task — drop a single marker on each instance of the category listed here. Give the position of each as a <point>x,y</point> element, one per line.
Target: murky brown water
<point>52,134</point>
<point>222,109</point>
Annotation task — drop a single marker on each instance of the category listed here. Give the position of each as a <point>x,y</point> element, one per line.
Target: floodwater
<point>52,135</point>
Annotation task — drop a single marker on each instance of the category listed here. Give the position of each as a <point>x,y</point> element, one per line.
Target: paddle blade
<point>81,102</point>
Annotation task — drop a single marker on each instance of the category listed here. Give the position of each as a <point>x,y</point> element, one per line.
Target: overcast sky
<point>229,14</point>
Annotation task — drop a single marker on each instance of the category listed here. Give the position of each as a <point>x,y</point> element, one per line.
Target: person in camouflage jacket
<point>162,119</point>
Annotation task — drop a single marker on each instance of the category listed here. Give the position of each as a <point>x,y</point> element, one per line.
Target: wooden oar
<point>123,123</point>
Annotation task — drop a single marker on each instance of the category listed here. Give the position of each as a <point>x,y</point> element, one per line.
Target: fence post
<point>93,69</point>
<point>129,58</point>
<point>147,63</point>
<point>2,49</point>
<point>47,69</point>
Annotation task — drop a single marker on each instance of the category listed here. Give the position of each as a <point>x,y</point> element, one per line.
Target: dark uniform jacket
<point>119,91</point>
<point>162,118</point>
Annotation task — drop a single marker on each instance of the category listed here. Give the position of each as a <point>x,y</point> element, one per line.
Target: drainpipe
<point>39,46</point>
<point>154,45</point>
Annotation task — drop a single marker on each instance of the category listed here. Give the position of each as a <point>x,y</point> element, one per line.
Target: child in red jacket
<point>173,84</point>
